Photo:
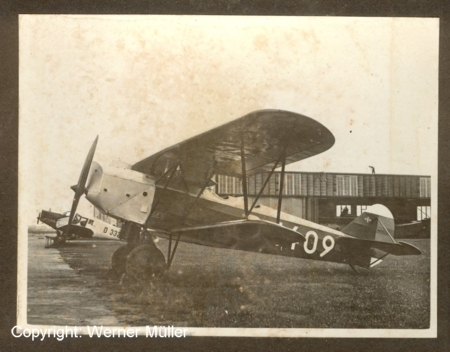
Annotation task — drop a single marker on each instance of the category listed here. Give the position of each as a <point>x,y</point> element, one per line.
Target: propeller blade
<point>85,171</point>
<point>38,218</point>
<point>81,185</point>
<point>72,212</point>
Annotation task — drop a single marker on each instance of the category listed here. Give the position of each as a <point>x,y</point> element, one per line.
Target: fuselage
<point>81,226</point>
<point>50,218</point>
<point>128,195</point>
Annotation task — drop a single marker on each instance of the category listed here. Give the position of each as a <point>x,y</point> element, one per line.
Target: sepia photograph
<point>185,175</point>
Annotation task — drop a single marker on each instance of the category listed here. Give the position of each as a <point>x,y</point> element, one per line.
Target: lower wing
<point>250,235</point>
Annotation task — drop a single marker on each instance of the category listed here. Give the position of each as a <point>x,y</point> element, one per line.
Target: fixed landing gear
<point>139,259</point>
<point>55,242</point>
<point>119,259</point>
<point>145,262</point>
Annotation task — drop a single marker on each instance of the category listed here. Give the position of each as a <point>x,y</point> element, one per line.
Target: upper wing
<point>264,135</point>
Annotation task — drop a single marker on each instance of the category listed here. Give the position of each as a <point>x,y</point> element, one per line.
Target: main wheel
<point>145,262</point>
<point>59,240</point>
<point>119,259</point>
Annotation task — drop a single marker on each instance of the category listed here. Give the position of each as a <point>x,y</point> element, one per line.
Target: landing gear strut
<point>55,242</point>
<point>139,258</point>
<point>131,233</point>
<point>145,262</point>
<point>119,259</point>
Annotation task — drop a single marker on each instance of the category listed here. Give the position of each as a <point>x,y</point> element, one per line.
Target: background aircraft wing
<point>264,135</point>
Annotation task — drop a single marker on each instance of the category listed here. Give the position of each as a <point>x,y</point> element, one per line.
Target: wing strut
<point>281,158</point>
<point>264,186</point>
<point>172,172</point>
<point>280,194</point>
<point>244,181</point>
<point>192,206</point>
<point>171,254</point>
<point>244,177</point>
<point>267,180</point>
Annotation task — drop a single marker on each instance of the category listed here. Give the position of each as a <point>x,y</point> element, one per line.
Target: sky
<point>144,83</point>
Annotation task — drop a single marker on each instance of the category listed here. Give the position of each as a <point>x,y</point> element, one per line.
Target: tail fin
<point>373,238</point>
<point>371,227</point>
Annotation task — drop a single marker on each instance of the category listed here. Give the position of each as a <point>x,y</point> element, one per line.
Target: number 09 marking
<point>305,245</point>
<point>325,246</point>
<point>327,239</point>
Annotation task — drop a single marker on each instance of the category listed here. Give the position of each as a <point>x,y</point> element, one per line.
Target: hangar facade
<point>323,197</point>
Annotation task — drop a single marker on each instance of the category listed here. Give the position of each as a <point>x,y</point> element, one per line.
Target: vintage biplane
<point>170,193</point>
<point>81,227</point>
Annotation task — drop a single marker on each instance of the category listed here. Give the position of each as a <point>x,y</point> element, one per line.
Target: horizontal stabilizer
<point>409,249</point>
<point>400,248</point>
<point>372,231</point>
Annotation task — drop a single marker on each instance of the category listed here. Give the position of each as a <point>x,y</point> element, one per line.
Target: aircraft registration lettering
<point>328,243</point>
<point>112,232</point>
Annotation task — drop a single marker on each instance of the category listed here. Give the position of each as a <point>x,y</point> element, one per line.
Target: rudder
<point>371,227</point>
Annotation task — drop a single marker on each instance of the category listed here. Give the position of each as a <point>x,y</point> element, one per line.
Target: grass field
<point>209,287</point>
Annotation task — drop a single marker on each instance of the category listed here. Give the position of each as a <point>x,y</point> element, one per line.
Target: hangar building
<point>323,197</point>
